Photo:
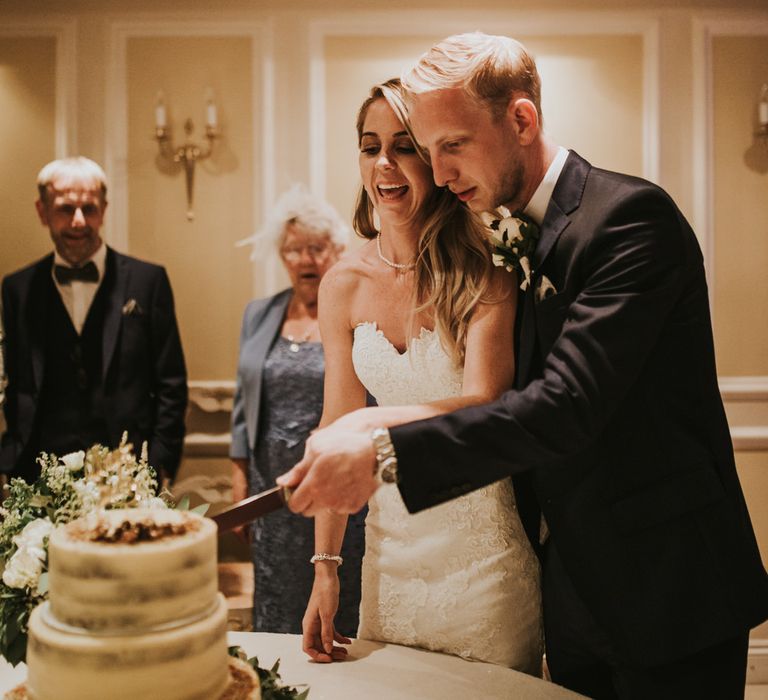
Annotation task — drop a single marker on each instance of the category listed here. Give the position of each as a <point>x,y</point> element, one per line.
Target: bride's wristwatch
<point>386,460</point>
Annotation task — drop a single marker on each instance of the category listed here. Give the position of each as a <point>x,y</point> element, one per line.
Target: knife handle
<point>286,493</point>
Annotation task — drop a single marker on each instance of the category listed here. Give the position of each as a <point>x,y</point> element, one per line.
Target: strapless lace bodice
<point>423,373</point>
<point>460,577</point>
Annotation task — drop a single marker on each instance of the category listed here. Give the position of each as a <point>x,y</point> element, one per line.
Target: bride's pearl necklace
<point>387,261</point>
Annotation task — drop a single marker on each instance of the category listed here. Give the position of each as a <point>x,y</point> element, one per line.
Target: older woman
<point>278,401</point>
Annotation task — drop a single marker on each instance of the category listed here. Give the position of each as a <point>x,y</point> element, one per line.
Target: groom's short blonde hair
<point>491,69</point>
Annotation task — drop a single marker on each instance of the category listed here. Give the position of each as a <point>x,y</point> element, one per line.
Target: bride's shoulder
<point>344,275</point>
<point>351,269</point>
<point>341,288</point>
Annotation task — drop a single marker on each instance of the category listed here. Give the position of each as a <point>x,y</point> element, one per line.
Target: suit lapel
<point>42,284</point>
<point>555,222</point>
<point>115,275</point>
<point>266,329</point>
<point>527,339</point>
<point>566,197</point>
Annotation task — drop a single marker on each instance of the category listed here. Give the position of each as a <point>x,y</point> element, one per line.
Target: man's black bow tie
<point>66,275</point>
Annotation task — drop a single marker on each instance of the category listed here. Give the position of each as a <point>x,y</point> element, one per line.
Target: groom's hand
<point>336,473</point>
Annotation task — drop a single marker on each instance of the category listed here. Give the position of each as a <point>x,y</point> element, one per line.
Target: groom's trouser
<point>581,657</point>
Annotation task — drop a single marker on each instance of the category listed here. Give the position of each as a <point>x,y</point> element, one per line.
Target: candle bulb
<point>211,113</point>
<point>161,118</point>
<point>763,106</point>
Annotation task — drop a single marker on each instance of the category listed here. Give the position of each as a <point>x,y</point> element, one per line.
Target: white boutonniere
<point>544,289</point>
<point>132,308</point>
<point>514,239</point>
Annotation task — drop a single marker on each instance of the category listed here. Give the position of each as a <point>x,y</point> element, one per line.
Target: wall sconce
<point>762,114</point>
<point>189,153</point>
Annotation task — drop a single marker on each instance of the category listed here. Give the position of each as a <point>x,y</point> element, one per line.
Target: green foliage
<point>202,509</point>
<point>15,607</point>
<point>183,504</point>
<point>271,686</point>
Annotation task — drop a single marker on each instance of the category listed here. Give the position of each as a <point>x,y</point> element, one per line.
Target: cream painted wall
<point>352,65</point>
<point>27,143</point>
<point>740,67</point>
<point>212,280</point>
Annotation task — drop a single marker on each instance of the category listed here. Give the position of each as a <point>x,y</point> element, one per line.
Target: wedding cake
<point>134,611</point>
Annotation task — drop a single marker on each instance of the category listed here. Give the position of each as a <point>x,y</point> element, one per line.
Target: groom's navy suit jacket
<point>618,422</point>
<point>139,386</point>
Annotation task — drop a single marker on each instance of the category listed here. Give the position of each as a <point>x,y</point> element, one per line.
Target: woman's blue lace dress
<point>282,543</point>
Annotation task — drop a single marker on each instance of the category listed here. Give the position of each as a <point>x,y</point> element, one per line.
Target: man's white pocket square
<point>132,308</point>
<point>544,289</point>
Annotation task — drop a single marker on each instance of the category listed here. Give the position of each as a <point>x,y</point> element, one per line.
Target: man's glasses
<point>316,251</point>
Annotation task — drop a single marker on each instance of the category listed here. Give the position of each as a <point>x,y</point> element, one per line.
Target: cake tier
<point>102,581</point>
<point>243,684</point>
<point>184,663</point>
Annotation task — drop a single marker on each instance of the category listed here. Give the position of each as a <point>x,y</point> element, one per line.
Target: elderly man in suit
<point>651,575</point>
<point>92,347</point>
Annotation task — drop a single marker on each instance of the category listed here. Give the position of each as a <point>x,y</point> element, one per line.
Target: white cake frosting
<point>118,586</point>
<point>130,619</point>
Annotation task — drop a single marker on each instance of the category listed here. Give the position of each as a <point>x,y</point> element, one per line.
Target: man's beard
<point>511,187</point>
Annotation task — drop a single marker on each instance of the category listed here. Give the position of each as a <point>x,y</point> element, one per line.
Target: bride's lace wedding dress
<point>459,578</point>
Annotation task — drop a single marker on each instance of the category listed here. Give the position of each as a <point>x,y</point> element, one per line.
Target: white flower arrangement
<point>24,567</point>
<point>514,239</point>
<point>67,488</point>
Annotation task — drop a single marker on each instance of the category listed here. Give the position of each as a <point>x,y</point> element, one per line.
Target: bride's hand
<point>319,632</point>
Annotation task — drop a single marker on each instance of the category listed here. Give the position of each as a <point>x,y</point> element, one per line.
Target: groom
<point>652,576</point>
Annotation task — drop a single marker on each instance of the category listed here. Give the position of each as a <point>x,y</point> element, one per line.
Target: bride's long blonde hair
<point>453,260</point>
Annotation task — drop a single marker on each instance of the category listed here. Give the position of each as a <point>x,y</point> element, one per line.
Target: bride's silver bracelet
<point>322,556</point>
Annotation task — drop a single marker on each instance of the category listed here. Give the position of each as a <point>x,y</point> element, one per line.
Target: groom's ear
<point>524,119</point>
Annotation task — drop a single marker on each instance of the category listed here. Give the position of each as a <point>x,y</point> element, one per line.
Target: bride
<point>420,318</point>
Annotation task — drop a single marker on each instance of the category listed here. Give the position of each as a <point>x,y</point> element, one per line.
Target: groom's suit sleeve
<point>634,269</point>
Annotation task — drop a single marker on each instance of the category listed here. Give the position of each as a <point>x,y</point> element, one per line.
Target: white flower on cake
<point>153,502</point>
<point>74,460</point>
<point>88,492</point>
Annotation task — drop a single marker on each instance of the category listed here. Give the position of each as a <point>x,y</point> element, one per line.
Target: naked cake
<point>134,612</point>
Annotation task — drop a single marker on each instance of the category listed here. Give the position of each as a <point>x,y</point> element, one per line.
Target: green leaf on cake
<point>183,503</point>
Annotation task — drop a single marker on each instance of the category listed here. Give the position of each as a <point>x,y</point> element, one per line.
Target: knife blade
<point>249,509</point>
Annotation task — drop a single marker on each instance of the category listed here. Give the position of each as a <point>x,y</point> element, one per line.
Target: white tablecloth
<point>377,672</point>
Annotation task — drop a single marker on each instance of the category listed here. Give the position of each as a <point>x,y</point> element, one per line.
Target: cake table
<point>376,671</point>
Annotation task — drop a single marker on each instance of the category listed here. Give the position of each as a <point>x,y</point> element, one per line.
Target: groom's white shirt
<point>537,207</point>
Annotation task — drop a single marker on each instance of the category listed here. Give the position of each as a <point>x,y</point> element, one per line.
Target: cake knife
<point>249,509</point>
